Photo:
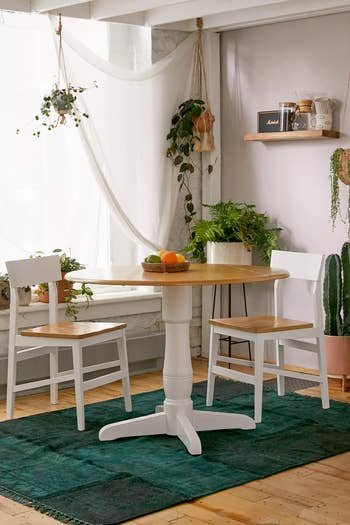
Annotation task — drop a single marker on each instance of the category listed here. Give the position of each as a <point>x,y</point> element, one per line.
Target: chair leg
<point>323,373</point>
<point>78,384</point>
<point>123,358</point>
<point>258,388</point>
<point>281,380</point>
<point>53,373</point>
<point>213,352</point>
<point>11,382</point>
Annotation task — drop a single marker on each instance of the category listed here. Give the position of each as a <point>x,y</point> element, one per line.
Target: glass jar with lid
<point>304,116</point>
<point>287,110</point>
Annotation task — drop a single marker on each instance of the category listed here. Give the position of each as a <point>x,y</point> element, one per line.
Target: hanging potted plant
<point>340,171</point>
<point>183,138</point>
<point>65,291</point>
<point>60,103</point>
<point>231,233</point>
<point>191,131</point>
<point>336,301</point>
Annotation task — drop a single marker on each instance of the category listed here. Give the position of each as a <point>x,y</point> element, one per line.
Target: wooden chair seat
<point>261,324</point>
<point>72,330</point>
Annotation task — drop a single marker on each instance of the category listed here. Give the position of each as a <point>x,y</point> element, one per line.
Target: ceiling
<point>218,15</point>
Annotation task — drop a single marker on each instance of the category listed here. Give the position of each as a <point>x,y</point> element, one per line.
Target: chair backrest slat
<point>27,272</point>
<point>306,266</point>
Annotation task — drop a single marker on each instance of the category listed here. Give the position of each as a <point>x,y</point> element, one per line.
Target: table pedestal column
<point>176,416</point>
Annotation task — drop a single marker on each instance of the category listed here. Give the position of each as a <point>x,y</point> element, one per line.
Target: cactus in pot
<point>332,295</point>
<point>336,302</point>
<point>345,259</point>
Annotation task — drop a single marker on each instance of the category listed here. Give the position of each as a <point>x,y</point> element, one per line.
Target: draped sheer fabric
<point>60,190</point>
<point>125,138</point>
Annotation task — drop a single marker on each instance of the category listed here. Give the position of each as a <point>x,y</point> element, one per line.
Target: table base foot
<point>205,420</point>
<point>141,426</point>
<point>188,435</point>
<point>185,429</point>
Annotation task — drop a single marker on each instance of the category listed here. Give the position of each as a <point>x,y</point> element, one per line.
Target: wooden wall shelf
<point>278,136</point>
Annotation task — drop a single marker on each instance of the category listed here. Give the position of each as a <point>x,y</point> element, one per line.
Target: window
<point>49,198</point>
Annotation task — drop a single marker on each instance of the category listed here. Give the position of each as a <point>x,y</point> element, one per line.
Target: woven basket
<point>343,172</point>
<point>166,267</point>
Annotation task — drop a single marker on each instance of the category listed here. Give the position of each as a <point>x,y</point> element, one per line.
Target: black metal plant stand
<point>229,339</point>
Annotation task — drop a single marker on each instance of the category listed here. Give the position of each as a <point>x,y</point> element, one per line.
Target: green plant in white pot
<point>230,235</point>
<point>4,291</point>
<point>336,301</point>
<point>24,293</point>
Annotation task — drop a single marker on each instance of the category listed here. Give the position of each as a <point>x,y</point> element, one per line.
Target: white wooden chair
<point>285,333</point>
<point>48,339</point>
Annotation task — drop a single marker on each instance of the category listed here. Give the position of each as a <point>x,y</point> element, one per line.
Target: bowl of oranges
<point>165,261</point>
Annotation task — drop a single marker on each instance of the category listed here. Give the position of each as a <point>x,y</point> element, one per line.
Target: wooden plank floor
<point>316,494</point>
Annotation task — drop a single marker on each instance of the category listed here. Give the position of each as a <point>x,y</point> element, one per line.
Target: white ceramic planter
<point>228,253</point>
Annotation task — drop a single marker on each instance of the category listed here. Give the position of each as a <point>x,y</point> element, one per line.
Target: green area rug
<point>47,464</point>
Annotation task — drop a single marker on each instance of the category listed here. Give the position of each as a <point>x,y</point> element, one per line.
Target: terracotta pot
<point>204,122</point>
<point>4,295</point>
<point>62,285</point>
<point>338,354</point>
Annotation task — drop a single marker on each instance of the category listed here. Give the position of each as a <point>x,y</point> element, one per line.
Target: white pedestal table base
<point>176,417</point>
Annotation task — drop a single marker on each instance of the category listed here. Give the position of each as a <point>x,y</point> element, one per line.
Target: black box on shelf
<point>268,121</point>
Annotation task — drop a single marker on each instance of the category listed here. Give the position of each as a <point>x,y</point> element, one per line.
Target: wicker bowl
<point>166,267</point>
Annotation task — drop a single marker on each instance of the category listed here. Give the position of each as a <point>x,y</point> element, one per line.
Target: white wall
<point>262,66</point>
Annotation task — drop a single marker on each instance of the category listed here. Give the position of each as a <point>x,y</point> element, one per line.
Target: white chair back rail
<point>305,267</point>
<point>27,272</point>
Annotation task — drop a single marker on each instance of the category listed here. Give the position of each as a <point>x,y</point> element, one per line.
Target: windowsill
<point>102,306</point>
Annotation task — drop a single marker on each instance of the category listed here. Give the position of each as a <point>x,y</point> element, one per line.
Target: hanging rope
<point>203,125</point>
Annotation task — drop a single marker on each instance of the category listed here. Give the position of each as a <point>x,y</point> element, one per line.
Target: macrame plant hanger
<point>61,71</point>
<point>344,170</point>
<point>203,125</point>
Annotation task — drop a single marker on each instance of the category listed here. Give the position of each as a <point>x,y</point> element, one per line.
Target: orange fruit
<point>169,257</point>
<point>180,258</point>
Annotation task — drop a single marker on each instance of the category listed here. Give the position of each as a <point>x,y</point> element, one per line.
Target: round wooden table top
<point>198,274</point>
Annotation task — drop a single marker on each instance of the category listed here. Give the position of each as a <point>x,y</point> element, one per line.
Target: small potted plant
<point>62,99</point>
<point>231,233</point>
<point>65,291</point>
<point>24,293</point>
<point>336,302</point>
<point>4,291</point>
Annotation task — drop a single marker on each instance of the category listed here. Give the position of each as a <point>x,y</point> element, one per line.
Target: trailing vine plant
<point>339,170</point>
<point>182,139</point>
<point>60,103</point>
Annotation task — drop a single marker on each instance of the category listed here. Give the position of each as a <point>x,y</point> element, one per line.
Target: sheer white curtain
<point>125,138</point>
<point>51,192</point>
<point>48,194</point>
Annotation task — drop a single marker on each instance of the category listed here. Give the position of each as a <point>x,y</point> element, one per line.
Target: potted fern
<point>336,302</point>
<point>230,235</point>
